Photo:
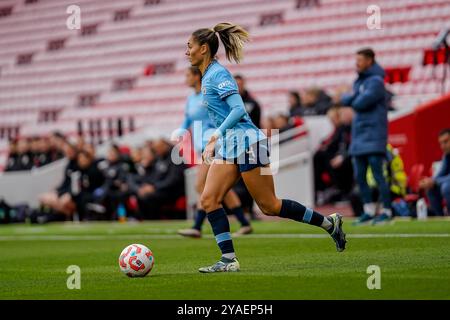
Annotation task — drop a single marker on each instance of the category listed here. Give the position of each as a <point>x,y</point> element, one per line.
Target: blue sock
<point>295,211</point>
<point>221,229</point>
<point>239,213</point>
<point>199,218</point>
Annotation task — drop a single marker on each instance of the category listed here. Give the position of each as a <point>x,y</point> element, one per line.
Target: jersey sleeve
<point>187,119</point>
<point>224,84</point>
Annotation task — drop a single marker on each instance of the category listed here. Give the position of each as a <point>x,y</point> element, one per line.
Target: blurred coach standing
<point>369,132</point>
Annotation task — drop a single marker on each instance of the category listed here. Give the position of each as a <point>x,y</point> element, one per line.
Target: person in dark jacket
<point>109,196</point>
<point>43,156</point>
<point>85,182</point>
<point>57,204</point>
<point>315,102</point>
<point>295,104</point>
<point>251,105</point>
<point>438,187</point>
<point>369,132</point>
<point>165,184</point>
<point>24,159</point>
<point>332,159</point>
<point>13,157</point>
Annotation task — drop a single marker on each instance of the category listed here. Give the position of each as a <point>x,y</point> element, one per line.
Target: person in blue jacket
<point>369,133</point>
<point>237,148</point>
<point>438,187</point>
<point>195,112</point>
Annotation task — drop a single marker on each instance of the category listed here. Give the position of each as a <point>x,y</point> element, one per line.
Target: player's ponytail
<point>232,36</point>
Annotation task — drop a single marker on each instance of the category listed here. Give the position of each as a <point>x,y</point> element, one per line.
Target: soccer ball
<point>136,260</point>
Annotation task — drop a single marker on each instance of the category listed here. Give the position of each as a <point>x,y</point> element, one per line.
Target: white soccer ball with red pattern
<point>136,260</point>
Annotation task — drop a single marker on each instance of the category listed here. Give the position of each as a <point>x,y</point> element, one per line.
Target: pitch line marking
<point>209,236</point>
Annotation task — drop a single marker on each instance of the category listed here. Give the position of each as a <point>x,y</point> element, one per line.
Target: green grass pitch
<point>281,260</point>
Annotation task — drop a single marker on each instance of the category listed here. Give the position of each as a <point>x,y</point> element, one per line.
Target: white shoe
<point>223,265</point>
<point>243,231</point>
<point>193,233</point>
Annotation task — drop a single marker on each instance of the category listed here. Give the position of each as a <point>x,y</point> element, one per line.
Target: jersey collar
<point>214,61</point>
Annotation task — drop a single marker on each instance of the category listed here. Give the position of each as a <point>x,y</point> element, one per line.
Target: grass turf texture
<point>282,260</point>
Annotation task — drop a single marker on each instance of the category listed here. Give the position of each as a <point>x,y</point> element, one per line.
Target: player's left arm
<point>227,89</point>
<point>237,108</point>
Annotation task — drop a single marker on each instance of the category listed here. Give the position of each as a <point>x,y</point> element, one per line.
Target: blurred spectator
<point>295,104</point>
<point>110,195</point>
<point>35,152</point>
<point>332,163</point>
<point>57,141</point>
<point>282,123</point>
<point>251,105</point>
<point>13,158</point>
<point>57,205</point>
<point>145,165</point>
<point>25,161</point>
<point>438,187</point>
<point>90,148</point>
<point>338,93</point>
<point>84,183</point>
<point>42,154</point>
<point>136,154</point>
<point>166,185</point>
<point>80,143</point>
<point>315,102</point>
<point>369,132</point>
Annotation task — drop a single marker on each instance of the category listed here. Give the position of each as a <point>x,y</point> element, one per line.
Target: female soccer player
<point>238,147</point>
<point>194,111</point>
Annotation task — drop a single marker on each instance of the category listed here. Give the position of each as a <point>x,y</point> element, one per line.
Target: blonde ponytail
<point>233,38</point>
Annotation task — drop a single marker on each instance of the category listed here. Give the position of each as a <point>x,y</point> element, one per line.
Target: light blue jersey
<point>217,85</point>
<point>196,113</point>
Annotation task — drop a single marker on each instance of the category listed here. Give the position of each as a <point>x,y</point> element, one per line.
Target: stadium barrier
<point>25,186</point>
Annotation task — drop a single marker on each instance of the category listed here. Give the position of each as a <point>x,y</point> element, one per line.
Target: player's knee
<point>267,208</point>
<point>209,201</point>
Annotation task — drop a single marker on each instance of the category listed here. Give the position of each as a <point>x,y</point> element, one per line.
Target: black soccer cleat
<point>337,233</point>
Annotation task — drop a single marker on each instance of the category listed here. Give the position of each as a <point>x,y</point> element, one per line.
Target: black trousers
<point>151,204</point>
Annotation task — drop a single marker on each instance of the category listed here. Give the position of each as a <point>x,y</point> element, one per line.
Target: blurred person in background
<point>315,102</point>
<point>251,105</point>
<point>13,158</point>
<point>84,183</point>
<point>57,205</point>
<point>144,164</point>
<point>43,155</point>
<point>24,156</point>
<point>166,185</point>
<point>90,148</point>
<point>80,142</point>
<point>109,196</point>
<point>438,187</point>
<point>332,160</point>
<point>369,133</point>
<point>295,104</point>
<point>57,141</point>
